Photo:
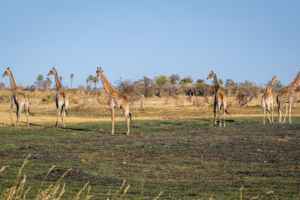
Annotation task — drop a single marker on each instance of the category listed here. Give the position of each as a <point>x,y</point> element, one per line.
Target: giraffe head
<point>7,72</point>
<point>211,75</point>
<point>52,71</point>
<point>99,71</point>
<point>274,79</point>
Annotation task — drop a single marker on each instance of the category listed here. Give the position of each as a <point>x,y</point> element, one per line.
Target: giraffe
<point>18,98</point>
<point>267,101</point>
<point>62,99</point>
<point>116,100</point>
<point>287,96</point>
<point>220,99</point>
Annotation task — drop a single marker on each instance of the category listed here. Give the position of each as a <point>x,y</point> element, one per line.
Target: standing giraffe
<point>18,98</point>
<point>62,99</point>
<point>220,99</point>
<point>267,101</point>
<point>287,96</point>
<point>116,100</point>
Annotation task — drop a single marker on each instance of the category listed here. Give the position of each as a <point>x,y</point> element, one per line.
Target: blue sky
<point>241,40</point>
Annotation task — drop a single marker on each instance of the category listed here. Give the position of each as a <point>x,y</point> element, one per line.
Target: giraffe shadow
<point>77,129</point>
<point>30,124</point>
<point>171,123</point>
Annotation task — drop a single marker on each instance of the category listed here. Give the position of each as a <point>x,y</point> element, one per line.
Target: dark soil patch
<point>78,175</point>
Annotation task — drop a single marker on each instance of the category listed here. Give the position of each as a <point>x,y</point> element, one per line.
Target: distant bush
<point>4,99</point>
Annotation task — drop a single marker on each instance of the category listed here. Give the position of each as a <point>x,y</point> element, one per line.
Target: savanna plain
<point>174,151</point>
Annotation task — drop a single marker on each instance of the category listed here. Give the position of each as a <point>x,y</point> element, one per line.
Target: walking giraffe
<point>267,101</point>
<point>62,99</point>
<point>18,98</point>
<point>287,96</point>
<point>220,99</point>
<point>115,100</point>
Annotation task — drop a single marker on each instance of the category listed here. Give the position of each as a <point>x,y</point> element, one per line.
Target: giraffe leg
<point>112,110</point>
<point>290,117</point>
<point>66,103</point>
<point>263,107</point>
<point>57,120</point>
<point>269,120</point>
<point>224,108</point>
<point>286,110</point>
<point>219,111</point>
<point>279,112</point>
<point>126,112</point>
<point>19,114</point>
<point>63,116</point>
<point>26,108</point>
<point>215,105</point>
<point>11,107</point>
<point>272,114</point>
<point>112,121</point>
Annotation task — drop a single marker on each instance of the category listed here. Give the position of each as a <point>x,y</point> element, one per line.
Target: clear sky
<point>241,40</point>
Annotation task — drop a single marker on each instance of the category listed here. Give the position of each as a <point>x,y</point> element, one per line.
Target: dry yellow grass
<point>42,104</point>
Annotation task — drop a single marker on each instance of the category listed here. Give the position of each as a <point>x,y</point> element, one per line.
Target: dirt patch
<point>78,175</point>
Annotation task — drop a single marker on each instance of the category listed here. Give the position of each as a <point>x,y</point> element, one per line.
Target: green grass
<point>184,158</point>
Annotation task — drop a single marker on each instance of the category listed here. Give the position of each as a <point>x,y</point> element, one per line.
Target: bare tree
<point>174,78</point>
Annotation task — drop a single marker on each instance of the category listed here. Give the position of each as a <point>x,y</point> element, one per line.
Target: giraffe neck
<point>295,83</point>
<point>107,86</point>
<point>58,85</point>
<point>271,86</point>
<point>216,83</point>
<point>13,85</point>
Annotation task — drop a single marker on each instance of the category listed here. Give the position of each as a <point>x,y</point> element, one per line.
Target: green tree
<point>40,80</point>
<point>47,83</point>
<point>248,84</point>
<point>187,80</point>
<point>229,83</point>
<point>90,78</point>
<point>200,81</point>
<point>161,80</point>
<point>95,80</point>
<point>220,81</point>
<point>71,76</point>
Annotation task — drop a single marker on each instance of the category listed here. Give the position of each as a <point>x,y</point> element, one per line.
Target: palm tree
<point>91,77</point>
<point>95,80</point>
<point>40,80</point>
<point>71,76</point>
<point>60,79</point>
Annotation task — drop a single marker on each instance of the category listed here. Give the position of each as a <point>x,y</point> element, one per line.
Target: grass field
<point>171,148</point>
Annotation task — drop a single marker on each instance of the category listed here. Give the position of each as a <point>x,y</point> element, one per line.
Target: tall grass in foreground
<point>52,192</point>
<point>55,192</point>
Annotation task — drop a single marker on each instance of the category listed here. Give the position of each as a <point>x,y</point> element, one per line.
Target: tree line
<point>163,86</point>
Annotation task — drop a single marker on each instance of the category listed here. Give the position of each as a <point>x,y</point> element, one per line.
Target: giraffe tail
<point>65,110</point>
<point>268,110</point>
<point>227,112</point>
<point>130,117</point>
<point>30,112</point>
